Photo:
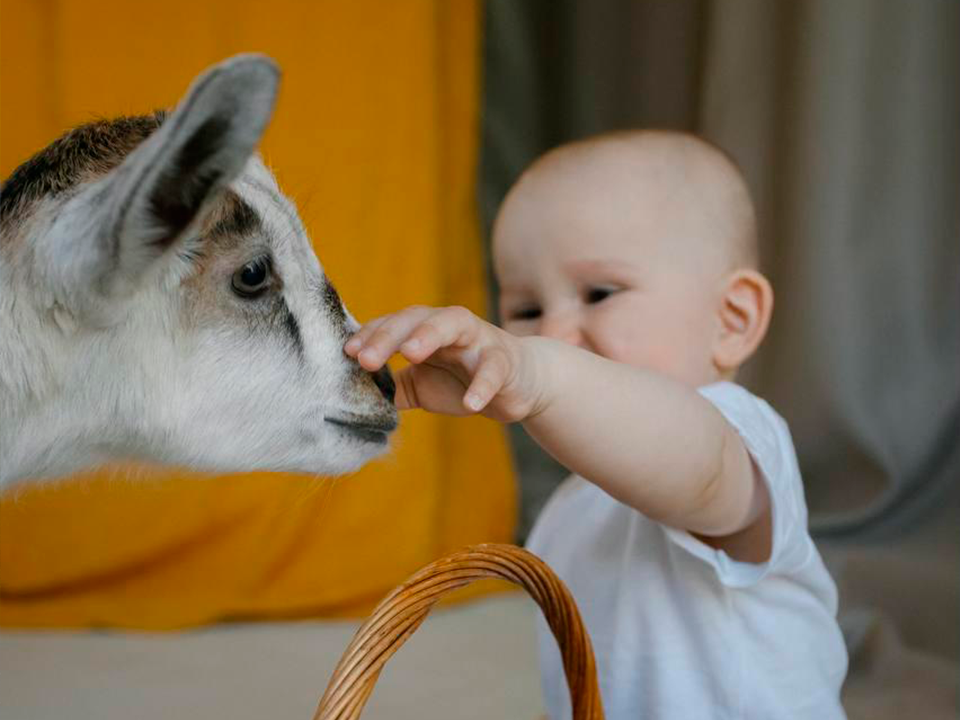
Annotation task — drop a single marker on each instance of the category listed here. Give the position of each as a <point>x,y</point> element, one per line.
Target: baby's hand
<point>460,364</point>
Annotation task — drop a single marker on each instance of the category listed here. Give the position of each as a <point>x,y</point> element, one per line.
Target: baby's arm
<point>653,443</point>
<point>649,441</point>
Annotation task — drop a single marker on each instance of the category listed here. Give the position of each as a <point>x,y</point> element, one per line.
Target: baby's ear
<point>745,309</point>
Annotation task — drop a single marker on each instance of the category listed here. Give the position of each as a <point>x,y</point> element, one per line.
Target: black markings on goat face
<point>237,220</point>
<point>271,317</point>
<point>292,327</point>
<point>235,238</point>
<point>333,308</point>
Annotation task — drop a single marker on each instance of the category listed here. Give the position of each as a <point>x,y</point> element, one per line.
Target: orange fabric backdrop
<point>375,138</point>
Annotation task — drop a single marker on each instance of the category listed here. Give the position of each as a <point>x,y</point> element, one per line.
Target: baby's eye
<point>527,312</point>
<point>598,294</point>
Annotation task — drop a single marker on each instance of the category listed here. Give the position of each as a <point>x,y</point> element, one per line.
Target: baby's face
<point>584,263</point>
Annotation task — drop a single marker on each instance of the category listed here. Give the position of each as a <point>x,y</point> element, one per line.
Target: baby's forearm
<point>649,441</point>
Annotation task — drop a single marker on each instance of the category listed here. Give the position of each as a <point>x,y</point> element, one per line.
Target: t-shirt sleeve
<point>767,440</point>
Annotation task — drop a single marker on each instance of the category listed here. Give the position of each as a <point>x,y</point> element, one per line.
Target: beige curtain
<point>845,117</point>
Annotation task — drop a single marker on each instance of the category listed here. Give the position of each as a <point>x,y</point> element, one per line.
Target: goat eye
<point>253,278</point>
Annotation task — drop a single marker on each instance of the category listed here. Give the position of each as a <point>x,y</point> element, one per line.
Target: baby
<point>630,297</point>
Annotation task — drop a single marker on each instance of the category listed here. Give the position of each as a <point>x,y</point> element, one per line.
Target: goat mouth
<point>373,430</point>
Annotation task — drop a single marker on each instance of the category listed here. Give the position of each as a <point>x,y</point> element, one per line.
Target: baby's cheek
<point>666,358</point>
<point>690,358</point>
<point>671,347</point>
<point>629,338</point>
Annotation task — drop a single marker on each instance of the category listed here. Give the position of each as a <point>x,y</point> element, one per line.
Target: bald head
<point>662,183</point>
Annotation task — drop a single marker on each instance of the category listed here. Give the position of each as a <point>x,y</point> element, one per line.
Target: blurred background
<point>400,127</point>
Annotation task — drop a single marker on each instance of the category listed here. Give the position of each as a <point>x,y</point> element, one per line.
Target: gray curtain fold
<point>845,117</point>
<point>848,128</point>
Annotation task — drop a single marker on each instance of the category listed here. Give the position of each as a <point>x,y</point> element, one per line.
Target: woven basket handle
<point>397,617</point>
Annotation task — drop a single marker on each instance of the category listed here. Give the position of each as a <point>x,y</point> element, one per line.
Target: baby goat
<point>160,301</point>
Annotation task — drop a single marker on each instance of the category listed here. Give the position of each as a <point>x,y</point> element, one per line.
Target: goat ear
<point>162,187</point>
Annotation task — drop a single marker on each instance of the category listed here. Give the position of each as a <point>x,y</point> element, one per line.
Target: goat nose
<point>383,379</point>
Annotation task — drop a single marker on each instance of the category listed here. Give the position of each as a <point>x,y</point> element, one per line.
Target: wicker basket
<point>401,612</point>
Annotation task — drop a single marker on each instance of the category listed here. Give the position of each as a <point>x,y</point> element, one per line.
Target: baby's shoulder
<point>760,426</point>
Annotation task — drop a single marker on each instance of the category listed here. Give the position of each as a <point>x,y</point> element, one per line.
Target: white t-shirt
<point>682,631</point>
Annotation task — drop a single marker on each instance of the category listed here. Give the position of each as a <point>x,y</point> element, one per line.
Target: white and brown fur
<point>123,335</point>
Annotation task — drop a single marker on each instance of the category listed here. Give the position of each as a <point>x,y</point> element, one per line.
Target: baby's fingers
<point>449,326</point>
<point>378,340</point>
<point>488,380</point>
<point>355,344</point>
